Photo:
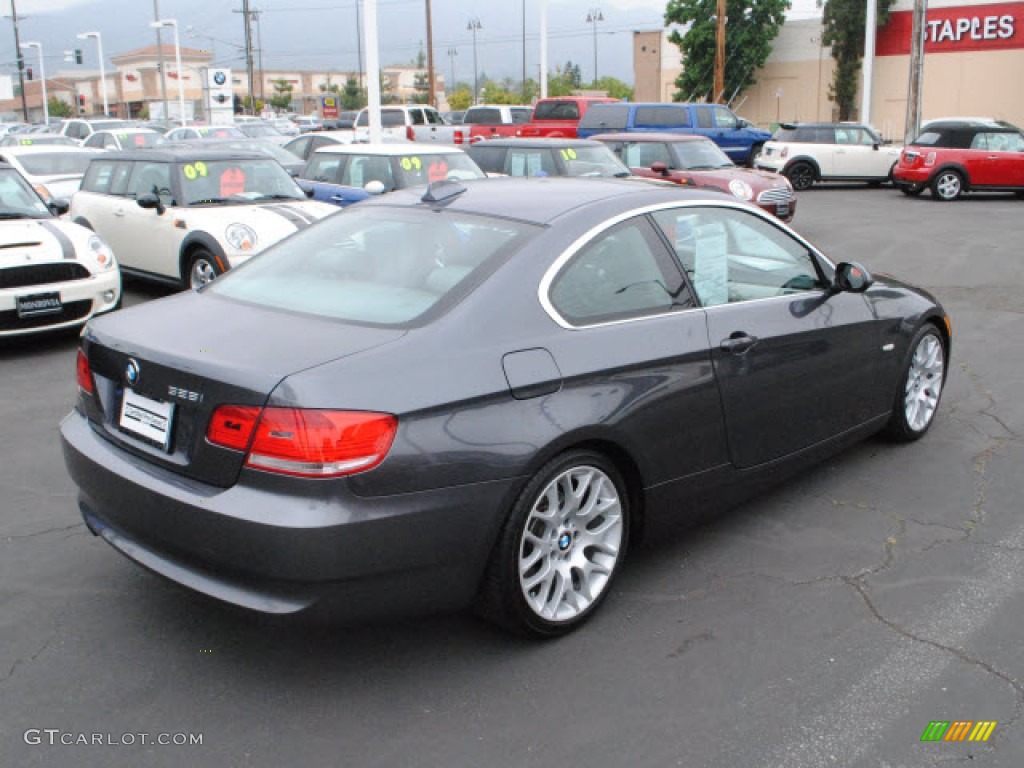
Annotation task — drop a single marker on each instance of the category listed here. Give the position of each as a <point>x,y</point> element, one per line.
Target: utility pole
<point>160,59</point>
<point>431,93</point>
<point>719,92</point>
<point>259,47</point>
<point>913,123</point>
<point>247,17</point>
<point>21,62</point>
<point>359,43</point>
<point>543,49</point>
<point>523,100</point>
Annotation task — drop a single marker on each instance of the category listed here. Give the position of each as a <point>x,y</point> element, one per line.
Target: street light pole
<point>42,76</point>
<point>452,53</point>
<point>473,25</point>
<point>173,24</point>
<point>594,16</point>
<point>21,62</point>
<point>160,61</point>
<point>103,73</point>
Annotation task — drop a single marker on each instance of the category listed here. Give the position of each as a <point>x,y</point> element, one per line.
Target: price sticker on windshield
<point>409,163</point>
<point>569,154</point>
<point>194,171</point>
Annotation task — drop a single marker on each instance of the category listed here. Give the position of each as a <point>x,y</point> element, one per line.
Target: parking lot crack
<point>35,534</point>
<point>24,661</point>
<point>858,585</point>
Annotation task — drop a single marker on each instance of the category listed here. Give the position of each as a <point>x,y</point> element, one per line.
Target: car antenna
<point>442,192</point>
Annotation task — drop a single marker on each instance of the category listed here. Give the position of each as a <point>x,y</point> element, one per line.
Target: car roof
<point>649,136</point>
<point>539,143</point>
<point>968,124</point>
<point>542,200</point>
<point>38,148</point>
<point>390,150</point>
<point>172,153</point>
<point>332,134</point>
<point>845,124</point>
<point>127,130</point>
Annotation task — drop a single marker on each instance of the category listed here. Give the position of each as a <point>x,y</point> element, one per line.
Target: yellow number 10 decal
<point>569,154</point>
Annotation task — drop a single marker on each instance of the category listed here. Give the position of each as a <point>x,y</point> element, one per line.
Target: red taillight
<point>231,426</point>
<point>409,134</point>
<point>458,137</point>
<point>305,442</point>
<point>929,159</point>
<point>84,375</point>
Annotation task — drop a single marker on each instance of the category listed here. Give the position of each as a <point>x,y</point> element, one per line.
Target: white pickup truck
<point>415,122</point>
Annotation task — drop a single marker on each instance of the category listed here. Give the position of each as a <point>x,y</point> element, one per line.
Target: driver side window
<point>152,179</point>
<point>732,256</point>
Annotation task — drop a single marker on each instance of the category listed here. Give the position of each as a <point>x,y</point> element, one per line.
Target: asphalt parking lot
<point>825,623</point>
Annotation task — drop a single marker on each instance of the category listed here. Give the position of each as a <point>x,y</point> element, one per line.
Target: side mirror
<point>149,200</point>
<point>375,187</point>
<point>851,277</point>
<point>875,146</point>
<point>660,167</point>
<point>59,206</point>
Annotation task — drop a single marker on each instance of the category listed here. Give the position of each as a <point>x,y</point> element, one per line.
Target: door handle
<point>992,157</point>
<point>738,343</point>
<point>119,212</point>
<point>337,198</point>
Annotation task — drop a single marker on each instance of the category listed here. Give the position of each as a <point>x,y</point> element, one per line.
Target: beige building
<point>974,64</point>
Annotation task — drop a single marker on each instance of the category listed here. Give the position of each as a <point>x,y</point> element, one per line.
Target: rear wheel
<point>560,547</point>
<point>912,190</point>
<point>202,269</point>
<point>920,387</point>
<point>755,150</point>
<point>801,175</point>
<point>947,186</point>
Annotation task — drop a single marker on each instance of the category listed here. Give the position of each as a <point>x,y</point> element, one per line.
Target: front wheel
<point>560,547</point>
<point>202,269</point>
<point>947,186</point>
<point>801,176</point>
<point>920,387</point>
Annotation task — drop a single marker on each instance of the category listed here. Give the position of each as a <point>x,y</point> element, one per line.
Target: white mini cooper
<point>53,274</point>
<point>186,215</point>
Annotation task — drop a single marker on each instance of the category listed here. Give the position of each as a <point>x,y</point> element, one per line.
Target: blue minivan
<point>738,138</point>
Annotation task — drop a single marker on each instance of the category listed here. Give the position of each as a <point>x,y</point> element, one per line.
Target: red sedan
<point>698,162</point>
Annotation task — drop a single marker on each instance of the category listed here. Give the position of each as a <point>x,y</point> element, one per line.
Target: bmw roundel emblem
<point>131,372</point>
<point>219,78</point>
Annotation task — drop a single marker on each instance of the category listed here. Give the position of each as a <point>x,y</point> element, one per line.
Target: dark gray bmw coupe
<point>477,394</point>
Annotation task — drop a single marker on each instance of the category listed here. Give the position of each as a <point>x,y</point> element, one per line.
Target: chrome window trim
<point>552,272</point>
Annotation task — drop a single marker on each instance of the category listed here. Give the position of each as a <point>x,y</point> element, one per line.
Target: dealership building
<point>973,66</point>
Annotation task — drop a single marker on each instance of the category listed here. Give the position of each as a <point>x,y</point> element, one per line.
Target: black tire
<point>801,175</point>
<point>919,385</point>
<point>755,150</point>
<point>83,223</point>
<point>515,594</point>
<point>200,263</point>
<point>947,186</point>
<point>912,191</point>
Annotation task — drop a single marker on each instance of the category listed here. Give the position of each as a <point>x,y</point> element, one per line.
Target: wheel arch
<point>194,241</point>
<point>83,222</point>
<point>952,167</point>
<point>803,159</point>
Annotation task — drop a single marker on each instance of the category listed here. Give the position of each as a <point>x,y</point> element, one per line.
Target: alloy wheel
<point>924,382</point>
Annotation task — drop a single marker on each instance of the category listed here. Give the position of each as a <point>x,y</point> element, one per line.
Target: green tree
<point>422,88</point>
<point>352,96</point>
<point>461,98</point>
<point>751,26</point>
<point>387,90</point>
<point>565,80</point>
<point>614,88</point>
<point>58,107</point>
<point>844,32</point>
<point>282,98</point>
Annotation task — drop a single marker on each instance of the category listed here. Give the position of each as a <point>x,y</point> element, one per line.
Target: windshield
<point>18,199</point>
<point>257,130</point>
<point>697,155</point>
<point>275,151</point>
<point>377,265</point>
<point>70,163</point>
<point>236,181</point>
<point>140,140</point>
<point>420,170</point>
<point>592,161</point>
<point>219,132</point>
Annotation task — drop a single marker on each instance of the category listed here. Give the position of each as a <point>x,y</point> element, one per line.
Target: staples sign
<point>953,30</point>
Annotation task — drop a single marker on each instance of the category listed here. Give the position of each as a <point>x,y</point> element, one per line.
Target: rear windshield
<point>389,118</point>
<point>606,117</point>
<point>806,134</point>
<point>56,163</point>
<point>556,110</point>
<point>482,115</point>
<point>377,265</point>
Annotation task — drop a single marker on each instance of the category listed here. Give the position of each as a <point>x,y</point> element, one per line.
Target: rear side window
<point>482,115</point>
<point>106,177</point>
<point>490,159</point>
<point>606,117</point>
<point>662,116</point>
<point>377,265</point>
<point>557,110</point>
<point>998,141</point>
<point>521,115</point>
<point>704,117</point>
<point>625,272</point>
<point>434,117</point>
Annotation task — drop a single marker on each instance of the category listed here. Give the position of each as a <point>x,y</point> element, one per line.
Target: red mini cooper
<point>952,157</point>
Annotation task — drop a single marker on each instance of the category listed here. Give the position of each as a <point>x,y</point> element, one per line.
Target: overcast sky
<point>320,34</point>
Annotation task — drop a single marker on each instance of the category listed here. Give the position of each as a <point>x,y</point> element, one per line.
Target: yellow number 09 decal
<point>408,163</point>
<point>194,171</point>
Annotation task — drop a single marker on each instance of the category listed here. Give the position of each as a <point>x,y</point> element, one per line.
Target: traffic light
<point>28,73</point>
<point>78,55</point>
<point>81,103</point>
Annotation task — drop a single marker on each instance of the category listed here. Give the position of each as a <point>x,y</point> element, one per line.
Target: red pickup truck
<point>558,117</point>
<point>492,121</point>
